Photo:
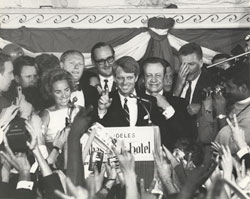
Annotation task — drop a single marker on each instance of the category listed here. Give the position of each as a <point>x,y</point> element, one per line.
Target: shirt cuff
<point>242,152</point>
<point>25,185</point>
<point>168,112</point>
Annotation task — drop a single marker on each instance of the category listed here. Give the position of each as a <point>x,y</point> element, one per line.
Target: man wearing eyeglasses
<point>103,57</point>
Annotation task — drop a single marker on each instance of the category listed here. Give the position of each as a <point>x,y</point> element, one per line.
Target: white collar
<point>110,78</point>
<point>161,92</point>
<point>123,97</point>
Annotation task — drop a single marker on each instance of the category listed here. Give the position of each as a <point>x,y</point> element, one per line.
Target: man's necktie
<point>126,111</point>
<point>188,93</point>
<point>106,87</point>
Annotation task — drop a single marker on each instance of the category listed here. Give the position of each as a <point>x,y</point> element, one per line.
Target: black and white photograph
<point>124,99</point>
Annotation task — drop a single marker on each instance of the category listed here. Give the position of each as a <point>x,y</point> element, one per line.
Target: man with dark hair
<point>26,77</point>
<point>6,77</point>
<point>192,77</point>
<point>120,107</point>
<point>73,61</point>
<point>237,84</point>
<point>175,122</point>
<point>25,71</point>
<point>103,57</point>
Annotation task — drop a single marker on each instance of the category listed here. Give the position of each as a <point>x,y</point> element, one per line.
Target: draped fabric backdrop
<point>126,41</point>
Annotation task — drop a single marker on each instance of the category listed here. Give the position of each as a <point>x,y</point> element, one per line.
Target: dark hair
<point>85,79</point>
<point>46,61</point>
<point>239,74</point>
<point>53,75</point>
<point>128,64</point>
<point>68,53</point>
<point>155,60</point>
<point>99,45</point>
<point>191,48</point>
<point>3,58</point>
<point>221,56</point>
<point>22,61</point>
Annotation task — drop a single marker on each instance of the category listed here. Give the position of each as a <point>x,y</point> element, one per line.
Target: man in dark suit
<point>103,58</point>
<point>120,109</point>
<point>192,77</point>
<point>73,62</point>
<point>175,122</point>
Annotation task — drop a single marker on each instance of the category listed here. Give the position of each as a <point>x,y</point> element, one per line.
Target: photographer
<point>237,84</point>
<point>218,106</point>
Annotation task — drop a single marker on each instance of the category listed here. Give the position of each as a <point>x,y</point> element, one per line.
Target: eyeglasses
<point>109,60</point>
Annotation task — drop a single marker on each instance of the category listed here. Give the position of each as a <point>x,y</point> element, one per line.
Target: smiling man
<point>177,123</point>
<point>73,61</point>
<point>118,108</point>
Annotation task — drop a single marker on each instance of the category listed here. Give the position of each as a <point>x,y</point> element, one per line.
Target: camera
<point>218,89</point>
<point>114,160</point>
<point>96,159</point>
<point>17,135</point>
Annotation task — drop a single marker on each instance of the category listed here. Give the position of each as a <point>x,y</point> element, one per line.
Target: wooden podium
<point>141,141</point>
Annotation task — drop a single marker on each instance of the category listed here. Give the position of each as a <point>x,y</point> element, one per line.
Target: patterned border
<point>123,18</point>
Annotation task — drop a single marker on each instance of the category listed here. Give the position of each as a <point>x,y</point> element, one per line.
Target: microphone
<point>68,120</point>
<point>131,95</point>
<point>72,103</point>
<point>140,100</point>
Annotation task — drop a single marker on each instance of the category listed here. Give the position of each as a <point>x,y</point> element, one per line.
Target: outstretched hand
<point>75,192</point>
<point>237,133</point>
<point>126,160</point>
<point>8,114</point>
<point>18,161</point>
<point>32,144</point>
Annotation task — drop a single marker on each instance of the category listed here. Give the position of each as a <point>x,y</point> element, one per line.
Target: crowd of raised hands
<point>220,174</point>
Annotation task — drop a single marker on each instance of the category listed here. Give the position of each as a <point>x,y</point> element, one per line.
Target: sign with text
<point>140,141</point>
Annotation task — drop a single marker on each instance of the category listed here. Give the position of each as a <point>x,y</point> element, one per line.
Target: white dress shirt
<point>110,81</point>
<point>185,88</point>
<point>132,107</point>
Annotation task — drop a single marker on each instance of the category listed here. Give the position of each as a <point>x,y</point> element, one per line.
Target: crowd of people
<point>47,104</point>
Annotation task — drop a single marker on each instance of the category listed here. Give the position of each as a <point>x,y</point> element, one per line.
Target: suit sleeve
<point>24,194</point>
<point>5,190</point>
